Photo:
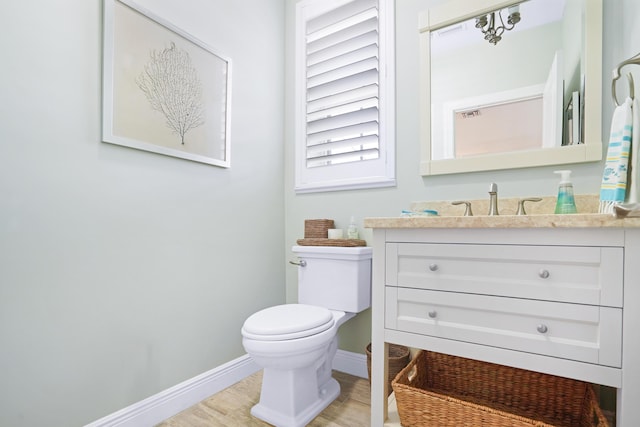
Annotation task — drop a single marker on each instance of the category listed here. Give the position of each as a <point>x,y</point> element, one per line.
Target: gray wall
<point>628,12</point>
<point>122,272</point>
<point>411,186</point>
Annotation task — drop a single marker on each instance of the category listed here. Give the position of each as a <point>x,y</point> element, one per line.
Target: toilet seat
<point>287,322</point>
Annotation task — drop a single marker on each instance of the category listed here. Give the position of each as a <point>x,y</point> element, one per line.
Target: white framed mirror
<point>548,62</point>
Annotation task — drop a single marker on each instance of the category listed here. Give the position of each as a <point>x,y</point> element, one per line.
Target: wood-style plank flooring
<point>231,406</point>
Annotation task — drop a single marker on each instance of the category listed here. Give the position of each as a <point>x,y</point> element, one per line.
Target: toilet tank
<point>337,278</point>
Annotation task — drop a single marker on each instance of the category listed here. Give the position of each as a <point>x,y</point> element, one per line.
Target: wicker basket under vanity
<point>399,358</point>
<point>448,391</point>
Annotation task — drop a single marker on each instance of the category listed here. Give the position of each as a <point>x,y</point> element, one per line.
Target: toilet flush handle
<point>301,263</point>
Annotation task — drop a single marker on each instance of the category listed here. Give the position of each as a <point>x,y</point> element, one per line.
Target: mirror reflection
<point>510,84</point>
<point>504,81</point>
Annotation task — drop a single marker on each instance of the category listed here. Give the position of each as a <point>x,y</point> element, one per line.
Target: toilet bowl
<point>297,383</point>
<point>295,344</point>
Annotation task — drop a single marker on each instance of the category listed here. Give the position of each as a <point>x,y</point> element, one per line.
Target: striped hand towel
<point>634,152</point>
<point>614,179</point>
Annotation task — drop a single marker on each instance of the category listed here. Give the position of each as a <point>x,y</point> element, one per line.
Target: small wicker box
<point>448,391</point>
<point>317,228</point>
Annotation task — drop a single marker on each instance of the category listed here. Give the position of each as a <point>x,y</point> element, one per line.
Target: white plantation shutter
<point>339,141</point>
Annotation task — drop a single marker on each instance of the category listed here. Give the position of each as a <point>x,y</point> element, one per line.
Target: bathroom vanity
<point>558,294</point>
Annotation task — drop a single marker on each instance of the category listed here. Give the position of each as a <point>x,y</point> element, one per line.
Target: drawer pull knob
<point>542,329</point>
<point>433,314</point>
<point>544,274</point>
<point>433,267</point>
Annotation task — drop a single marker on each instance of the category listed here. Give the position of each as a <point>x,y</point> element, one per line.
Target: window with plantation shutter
<point>344,84</point>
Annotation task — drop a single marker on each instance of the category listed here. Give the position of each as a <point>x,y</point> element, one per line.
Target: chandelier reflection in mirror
<point>492,29</point>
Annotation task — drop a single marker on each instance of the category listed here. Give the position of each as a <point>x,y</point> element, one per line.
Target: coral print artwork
<point>164,91</point>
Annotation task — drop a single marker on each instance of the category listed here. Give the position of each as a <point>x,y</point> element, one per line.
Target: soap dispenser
<point>566,203</point>
<point>352,231</point>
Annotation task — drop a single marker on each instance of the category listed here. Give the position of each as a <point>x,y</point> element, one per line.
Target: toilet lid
<point>288,321</point>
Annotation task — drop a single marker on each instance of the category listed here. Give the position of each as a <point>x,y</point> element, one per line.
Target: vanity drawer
<point>579,332</point>
<point>577,274</point>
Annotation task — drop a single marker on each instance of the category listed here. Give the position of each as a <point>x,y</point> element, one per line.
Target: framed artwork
<point>164,91</point>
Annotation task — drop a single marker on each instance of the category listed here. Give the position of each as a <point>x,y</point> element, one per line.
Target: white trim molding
<point>167,403</point>
<point>351,363</point>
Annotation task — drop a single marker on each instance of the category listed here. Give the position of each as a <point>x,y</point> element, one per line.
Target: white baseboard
<point>167,403</point>
<point>351,363</point>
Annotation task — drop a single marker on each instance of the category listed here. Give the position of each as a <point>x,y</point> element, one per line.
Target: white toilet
<point>296,343</point>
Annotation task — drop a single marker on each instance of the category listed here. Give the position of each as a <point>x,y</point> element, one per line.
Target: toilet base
<point>296,379</point>
<point>328,393</point>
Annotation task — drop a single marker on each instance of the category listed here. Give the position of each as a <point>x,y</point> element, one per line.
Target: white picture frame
<point>164,91</point>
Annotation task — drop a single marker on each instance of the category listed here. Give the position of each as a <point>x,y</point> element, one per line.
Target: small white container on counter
<point>335,233</point>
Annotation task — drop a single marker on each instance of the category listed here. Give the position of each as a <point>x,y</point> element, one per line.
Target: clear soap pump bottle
<point>566,203</point>
<point>352,231</point>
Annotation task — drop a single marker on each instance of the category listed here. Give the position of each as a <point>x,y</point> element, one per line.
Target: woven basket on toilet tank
<point>317,228</point>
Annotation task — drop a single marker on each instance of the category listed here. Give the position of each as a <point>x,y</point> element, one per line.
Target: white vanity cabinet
<point>563,301</point>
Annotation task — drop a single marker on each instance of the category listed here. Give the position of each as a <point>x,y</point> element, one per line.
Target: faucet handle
<point>467,210</point>
<point>521,210</point>
<point>493,199</point>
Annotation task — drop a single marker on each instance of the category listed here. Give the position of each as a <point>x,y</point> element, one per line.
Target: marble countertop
<point>540,216</point>
<point>588,220</point>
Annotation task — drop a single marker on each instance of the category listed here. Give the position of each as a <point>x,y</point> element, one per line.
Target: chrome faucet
<point>521,210</point>
<point>467,209</point>
<point>493,199</point>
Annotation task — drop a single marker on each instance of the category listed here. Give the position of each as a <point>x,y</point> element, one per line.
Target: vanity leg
<point>379,349</point>
<point>379,373</point>
<point>619,407</point>
<point>628,396</point>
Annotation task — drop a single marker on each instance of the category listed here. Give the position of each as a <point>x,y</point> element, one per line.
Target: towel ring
<point>631,89</point>
<point>616,75</point>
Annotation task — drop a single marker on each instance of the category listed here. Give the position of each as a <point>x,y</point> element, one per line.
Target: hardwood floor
<point>231,406</point>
